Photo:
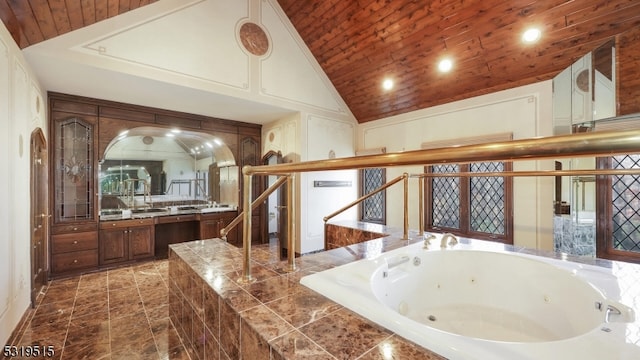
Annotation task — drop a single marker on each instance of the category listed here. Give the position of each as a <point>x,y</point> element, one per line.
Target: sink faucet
<point>427,240</point>
<point>448,236</point>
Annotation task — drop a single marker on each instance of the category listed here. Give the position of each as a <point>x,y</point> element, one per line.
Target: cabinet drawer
<point>64,229</point>
<point>63,243</point>
<point>176,218</point>
<point>104,225</point>
<point>74,261</point>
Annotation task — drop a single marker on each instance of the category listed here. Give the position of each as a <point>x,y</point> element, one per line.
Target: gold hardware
<point>421,206</point>
<point>405,233</point>
<point>254,204</point>
<point>75,242</point>
<point>291,243</point>
<point>364,197</point>
<point>75,261</point>
<point>605,143</point>
<point>599,143</point>
<point>75,229</point>
<point>246,228</point>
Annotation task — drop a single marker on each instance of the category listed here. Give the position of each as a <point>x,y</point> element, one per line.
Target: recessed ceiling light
<point>531,35</point>
<point>387,84</point>
<point>445,65</point>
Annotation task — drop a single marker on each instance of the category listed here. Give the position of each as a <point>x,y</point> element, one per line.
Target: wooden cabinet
<point>250,155</point>
<point>126,240</point>
<point>81,129</point>
<point>74,235</point>
<point>212,223</point>
<point>74,250</point>
<point>174,229</point>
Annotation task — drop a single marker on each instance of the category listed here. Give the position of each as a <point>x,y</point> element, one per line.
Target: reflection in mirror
<point>149,167</point>
<point>582,94</point>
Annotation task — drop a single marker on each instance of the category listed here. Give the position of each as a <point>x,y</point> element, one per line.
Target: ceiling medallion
<point>582,80</point>
<point>254,39</point>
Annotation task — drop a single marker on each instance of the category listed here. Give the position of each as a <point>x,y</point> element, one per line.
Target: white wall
<point>323,138</point>
<point>304,137</point>
<point>22,110</point>
<point>187,55</point>
<point>524,111</point>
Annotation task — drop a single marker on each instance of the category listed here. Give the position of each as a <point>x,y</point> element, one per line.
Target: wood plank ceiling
<point>359,43</point>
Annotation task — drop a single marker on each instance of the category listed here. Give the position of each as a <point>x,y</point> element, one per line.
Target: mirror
<point>582,94</point>
<point>150,168</point>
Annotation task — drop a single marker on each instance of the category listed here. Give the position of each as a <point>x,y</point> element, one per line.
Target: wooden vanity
<point>80,240</point>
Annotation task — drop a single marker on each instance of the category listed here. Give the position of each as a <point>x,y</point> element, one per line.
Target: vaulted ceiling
<point>360,43</point>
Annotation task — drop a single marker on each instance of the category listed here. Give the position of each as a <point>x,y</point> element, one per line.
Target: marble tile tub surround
<point>345,233</point>
<point>277,318</point>
<point>274,317</point>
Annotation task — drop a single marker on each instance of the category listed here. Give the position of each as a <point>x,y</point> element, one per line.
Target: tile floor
<point>115,314</point>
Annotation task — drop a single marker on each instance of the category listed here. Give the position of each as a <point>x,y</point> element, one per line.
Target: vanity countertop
<point>170,211</point>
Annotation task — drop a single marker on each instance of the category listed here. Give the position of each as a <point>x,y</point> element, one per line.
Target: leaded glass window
<point>445,195</point>
<point>625,195</point>
<point>73,171</point>
<point>476,206</point>
<point>373,209</point>
<point>487,199</point>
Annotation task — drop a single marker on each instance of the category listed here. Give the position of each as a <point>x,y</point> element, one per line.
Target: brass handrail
<point>246,225</point>
<point>605,143</point>
<point>259,200</point>
<point>365,197</point>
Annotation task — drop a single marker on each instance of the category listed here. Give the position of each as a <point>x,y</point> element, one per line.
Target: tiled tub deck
<point>274,317</point>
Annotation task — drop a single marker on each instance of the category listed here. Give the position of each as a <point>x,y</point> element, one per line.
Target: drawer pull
<point>75,242</point>
<point>75,261</point>
<point>114,224</point>
<point>75,229</point>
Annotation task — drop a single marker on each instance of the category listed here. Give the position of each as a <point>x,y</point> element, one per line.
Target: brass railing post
<point>291,238</point>
<point>405,235</point>
<point>420,206</point>
<point>246,229</point>
<point>259,200</point>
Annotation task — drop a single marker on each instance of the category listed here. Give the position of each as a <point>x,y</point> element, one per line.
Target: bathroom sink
<point>188,208</point>
<point>149,210</point>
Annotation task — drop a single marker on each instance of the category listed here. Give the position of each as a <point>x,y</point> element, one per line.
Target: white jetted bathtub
<point>467,302</point>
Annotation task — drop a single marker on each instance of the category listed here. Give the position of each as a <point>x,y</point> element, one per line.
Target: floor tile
<point>116,314</point>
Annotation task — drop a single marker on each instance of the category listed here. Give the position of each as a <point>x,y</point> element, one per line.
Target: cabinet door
<point>114,246</point>
<point>141,242</point>
<point>73,171</point>
<point>232,236</point>
<point>210,229</point>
